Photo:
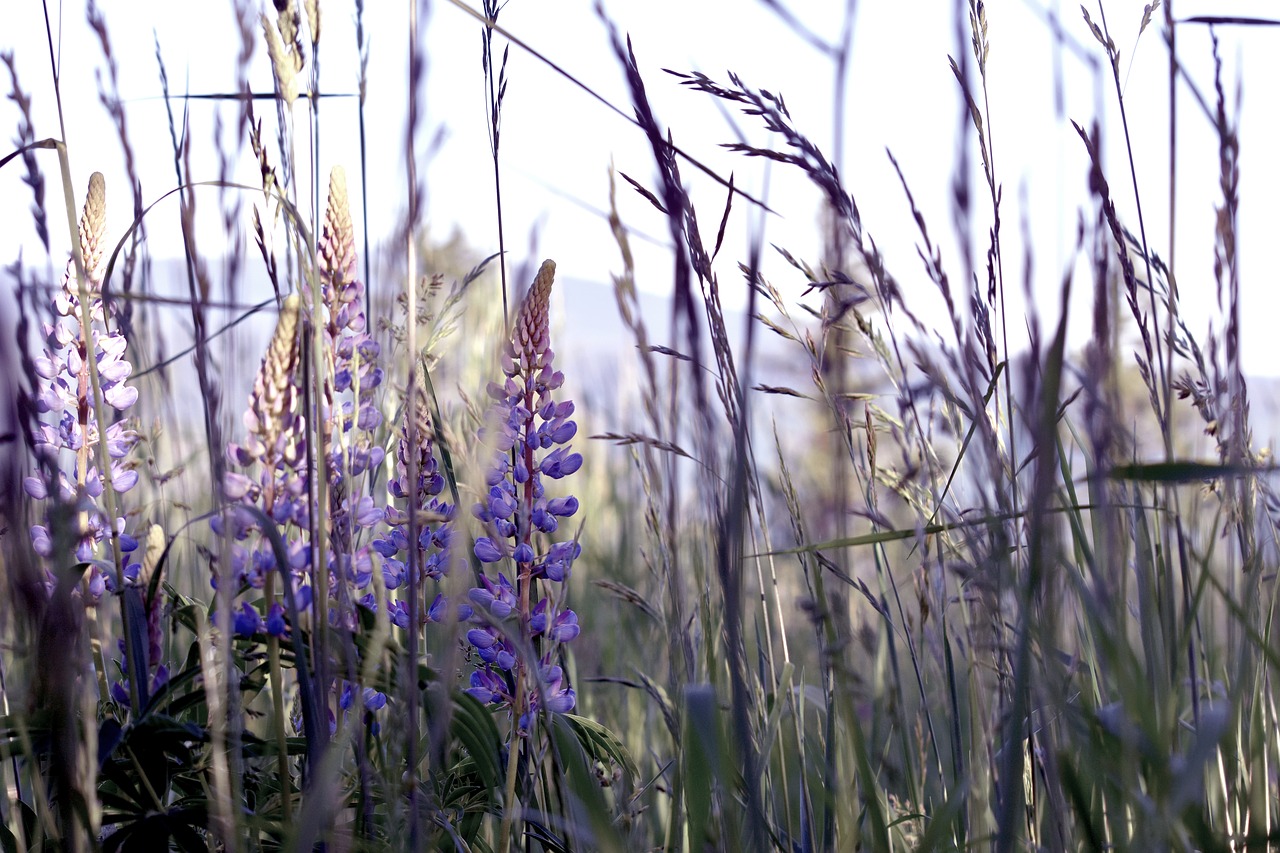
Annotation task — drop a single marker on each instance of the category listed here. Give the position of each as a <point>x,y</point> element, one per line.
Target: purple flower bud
<point>369,418</point>
<point>523,553</point>
<point>563,507</point>
<point>562,703</point>
<point>120,397</point>
<point>565,551</point>
<point>486,687</point>
<point>373,699</point>
<point>247,622</point>
<point>392,573</point>
<point>47,367</point>
<point>399,614</point>
<point>35,488</point>
<point>97,580</point>
<point>565,627</point>
<point>501,503</point>
<point>367,513</point>
<point>538,618</point>
<point>481,638</point>
<point>543,520</point>
<point>40,541</point>
<point>498,473</point>
<point>123,480</point>
<point>275,620</point>
<point>563,431</point>
<point>486,551</point>
<point>113,370</point>
<point>554,570</point>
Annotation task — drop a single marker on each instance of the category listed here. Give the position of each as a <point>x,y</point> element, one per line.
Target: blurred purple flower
<point>67,442</point>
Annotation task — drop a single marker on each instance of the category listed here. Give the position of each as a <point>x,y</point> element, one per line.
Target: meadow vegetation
<point>940,592</point>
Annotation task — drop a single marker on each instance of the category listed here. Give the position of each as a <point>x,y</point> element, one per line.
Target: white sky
<point>558,141</point>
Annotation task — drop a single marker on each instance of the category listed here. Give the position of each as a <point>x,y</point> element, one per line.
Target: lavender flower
<point>65,394</point>
<point>531,431</point>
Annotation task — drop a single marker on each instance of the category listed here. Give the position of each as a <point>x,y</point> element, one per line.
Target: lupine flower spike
<point>435,515</point>
<point>531,431</point>
<point>276,441</point>
<point>353,376</point>
<point>65,441</point>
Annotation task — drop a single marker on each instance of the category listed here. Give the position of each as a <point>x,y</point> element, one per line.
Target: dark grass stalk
<point>684,313</point>
<point>1171,312</point>
<point>1171,316</point>
<point>495,91</point>
<point>658,477</point>
<point>730,559</point>
<point>33,178</point>
<point>1161,405</point>
<point>1017,736</point>
<point>114,106</point>
<point>222,718</point>
<point>416,72</point>
<point>362,50</point>
<point>995,257</point>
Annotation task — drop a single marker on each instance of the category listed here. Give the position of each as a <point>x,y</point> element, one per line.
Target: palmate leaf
<point>475,730</point>
<point>587,806</point>
<point>600,744</point>
<point>180,823</point>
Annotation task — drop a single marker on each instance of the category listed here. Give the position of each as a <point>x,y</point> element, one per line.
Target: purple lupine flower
<point>120,688</point>
<point>351,415</point>
<point>275,442</point>
<point>276,625</point>
<point>550,693</point>
<point>434,515</point>
<point>247,621</point>
<point>373,700</point>
<point>530,431</point>
<point>64,393</point>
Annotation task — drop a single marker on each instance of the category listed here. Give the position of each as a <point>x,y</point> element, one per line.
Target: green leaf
<point>591,814</point>
<point>474,728</point>
<point>600,744</point>
<point>1182,471</point>
<point>703,755</point>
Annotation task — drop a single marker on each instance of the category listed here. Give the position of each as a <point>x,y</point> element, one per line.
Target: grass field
<point>371,564</point>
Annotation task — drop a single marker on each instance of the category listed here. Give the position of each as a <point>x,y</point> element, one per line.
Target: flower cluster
<point>415,451</point>
<point>65,393</point>
<point>276,442</point>
<point>531,431</point>
<point>351,415</point>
